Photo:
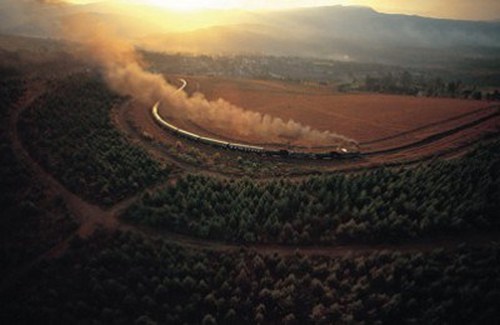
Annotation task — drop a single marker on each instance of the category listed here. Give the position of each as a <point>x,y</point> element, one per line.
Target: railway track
<point>92,217</point>
<point>344,154</point>
<point>425,127</point>
<point>434,137</point>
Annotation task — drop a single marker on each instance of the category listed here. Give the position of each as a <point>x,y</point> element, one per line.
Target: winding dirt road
<point>91,217</point>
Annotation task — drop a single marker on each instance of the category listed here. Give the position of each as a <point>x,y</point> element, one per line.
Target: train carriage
<point>342,153</point>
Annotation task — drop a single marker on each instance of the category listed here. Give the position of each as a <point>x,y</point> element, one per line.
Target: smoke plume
<point>125,73</point>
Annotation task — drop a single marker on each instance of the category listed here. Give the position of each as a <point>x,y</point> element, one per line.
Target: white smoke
<point>125,73</point>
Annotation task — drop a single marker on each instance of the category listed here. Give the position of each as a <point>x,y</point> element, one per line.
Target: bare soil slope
<point>376,120</point>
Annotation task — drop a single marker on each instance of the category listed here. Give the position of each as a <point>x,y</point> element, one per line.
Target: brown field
<point>376,121</point>
<point>392,130</point>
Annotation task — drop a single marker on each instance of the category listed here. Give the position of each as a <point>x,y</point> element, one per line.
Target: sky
<point>455,9</point>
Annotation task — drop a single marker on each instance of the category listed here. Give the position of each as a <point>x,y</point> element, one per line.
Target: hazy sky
<point>461,9</point>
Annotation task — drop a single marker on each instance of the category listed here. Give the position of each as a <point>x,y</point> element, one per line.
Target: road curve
<point>181,88</point>
<point>91,217</point>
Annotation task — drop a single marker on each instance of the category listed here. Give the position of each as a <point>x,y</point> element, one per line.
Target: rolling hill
<point>336,32</point>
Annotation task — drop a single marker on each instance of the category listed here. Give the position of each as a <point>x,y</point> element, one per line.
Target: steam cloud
<point>125,73</point>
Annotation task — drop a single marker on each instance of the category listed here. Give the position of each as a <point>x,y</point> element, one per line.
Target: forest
<point>69,132</point>
<point>406,83</point>
<point>125,278</point>
<point>381,205</point>
<point>116,277</point>
<point>32,220</point>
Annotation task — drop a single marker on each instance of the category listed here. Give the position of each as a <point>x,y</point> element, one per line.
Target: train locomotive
<point>341,153</point>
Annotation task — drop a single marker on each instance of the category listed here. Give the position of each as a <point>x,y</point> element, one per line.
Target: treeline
<point>31,221</point>
<point>438,198</point>
<point>405,83</point>
<point>127,279</point>
<point>70,133</point>
<point>11,88</point>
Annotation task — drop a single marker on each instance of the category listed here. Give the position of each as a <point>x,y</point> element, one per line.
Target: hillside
<point>336,32</point>
<point>348,33</point>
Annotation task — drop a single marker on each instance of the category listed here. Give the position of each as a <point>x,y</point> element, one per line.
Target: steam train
<point>342,153</point>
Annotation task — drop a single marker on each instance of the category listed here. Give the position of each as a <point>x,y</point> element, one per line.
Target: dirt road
<point>91,217</point>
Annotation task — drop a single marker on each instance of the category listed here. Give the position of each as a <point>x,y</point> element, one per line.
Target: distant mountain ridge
<point>350,33</point>
<point>338,32</point>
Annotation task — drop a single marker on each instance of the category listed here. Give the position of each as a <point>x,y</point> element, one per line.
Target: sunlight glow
<point>457,9</point>
<point>192,5</point>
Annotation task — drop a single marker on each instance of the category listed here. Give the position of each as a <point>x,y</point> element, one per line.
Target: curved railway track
<point>343,152</point>
<point>91,217</point>
<point>337,152</point>
<point>427,126</point>
<point>434,137</point>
